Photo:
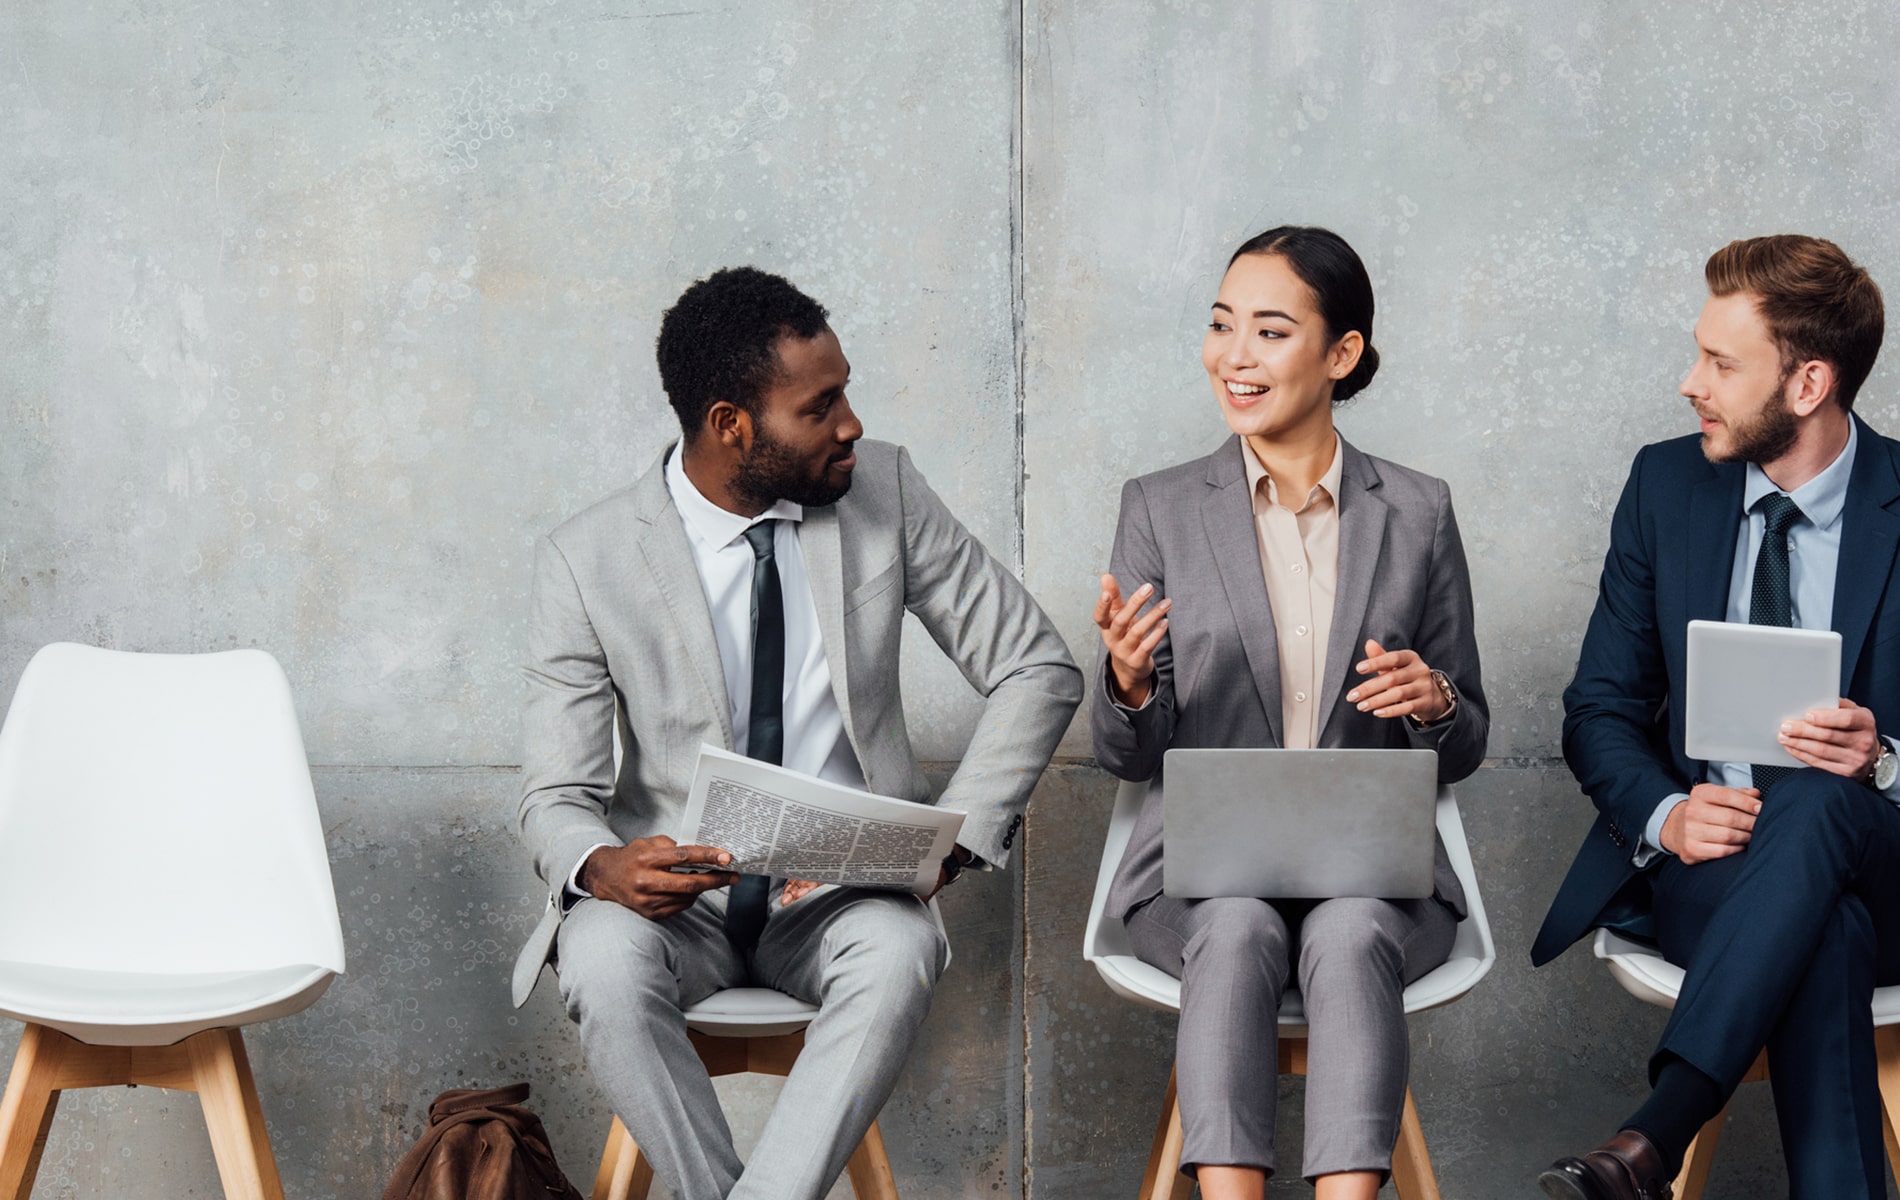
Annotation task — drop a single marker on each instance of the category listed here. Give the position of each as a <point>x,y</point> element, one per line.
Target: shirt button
<point>1297,568</point>
<point>1301,631</point>
<point>1299,697</point>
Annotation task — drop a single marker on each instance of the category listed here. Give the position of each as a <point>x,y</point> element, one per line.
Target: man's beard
<point>770,473</point>
<point>1764,437</point>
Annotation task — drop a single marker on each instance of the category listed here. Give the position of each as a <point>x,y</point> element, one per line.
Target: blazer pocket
<point>874,587</point>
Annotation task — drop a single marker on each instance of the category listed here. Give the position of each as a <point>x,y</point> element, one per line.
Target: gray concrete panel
<point>313,320</point>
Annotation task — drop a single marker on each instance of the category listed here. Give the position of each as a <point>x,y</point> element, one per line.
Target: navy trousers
<point>1783,945</point>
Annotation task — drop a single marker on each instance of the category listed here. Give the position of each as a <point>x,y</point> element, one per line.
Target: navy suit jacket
<point>1672,548</point>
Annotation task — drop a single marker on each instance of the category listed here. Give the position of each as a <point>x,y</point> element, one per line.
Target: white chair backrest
<point>156,815</point>
<point>1104,938</point>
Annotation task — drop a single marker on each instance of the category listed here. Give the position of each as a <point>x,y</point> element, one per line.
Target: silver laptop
<point>1298,824</point>
<point>1745,680</point>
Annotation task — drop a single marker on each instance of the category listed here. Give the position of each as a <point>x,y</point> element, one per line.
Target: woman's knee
<point>1352,935</point>
<point>1236,927</point>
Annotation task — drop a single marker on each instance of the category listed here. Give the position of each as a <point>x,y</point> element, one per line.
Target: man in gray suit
<point>748,592</point>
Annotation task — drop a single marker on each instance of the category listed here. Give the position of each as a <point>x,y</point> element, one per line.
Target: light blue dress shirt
<point>1814,553</point>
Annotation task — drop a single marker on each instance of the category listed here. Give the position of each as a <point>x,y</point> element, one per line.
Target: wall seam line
<point>1019,316</point>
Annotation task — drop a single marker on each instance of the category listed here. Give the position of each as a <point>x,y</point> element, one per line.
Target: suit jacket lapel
<point>661,542</point>
<point>1362,514</point>
<point>824,564</point>
<point>1870,535</point>
<point>1227,516</point>
<point>1715,513</point>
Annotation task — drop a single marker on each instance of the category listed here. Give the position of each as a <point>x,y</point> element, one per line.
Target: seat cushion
<point>148,1008</point>
<point>750,1012</point>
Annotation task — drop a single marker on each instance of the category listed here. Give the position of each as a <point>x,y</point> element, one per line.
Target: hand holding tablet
<point>1745,681</point>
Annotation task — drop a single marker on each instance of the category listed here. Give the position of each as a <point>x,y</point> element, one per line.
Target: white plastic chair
<point>735,1031</point>
<point>163,880</point>
<point>1105,944</point>
<point>1645,974</point>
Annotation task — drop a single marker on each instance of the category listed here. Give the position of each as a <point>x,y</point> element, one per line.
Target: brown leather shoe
<point>1627,1167</point>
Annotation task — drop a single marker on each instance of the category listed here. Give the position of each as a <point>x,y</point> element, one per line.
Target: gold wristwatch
<point>1451,701</point>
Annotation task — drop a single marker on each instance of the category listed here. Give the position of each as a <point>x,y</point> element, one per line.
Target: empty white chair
<point>163,880</point>
<point>1653,979</point>
<point>1105,944</point>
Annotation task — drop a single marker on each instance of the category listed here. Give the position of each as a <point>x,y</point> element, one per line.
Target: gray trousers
<point>869,959</point>
<point>1233,957</point>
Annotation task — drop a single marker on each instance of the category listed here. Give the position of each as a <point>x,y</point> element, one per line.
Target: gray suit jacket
<point>1189,530</point>
<point>619,630</point>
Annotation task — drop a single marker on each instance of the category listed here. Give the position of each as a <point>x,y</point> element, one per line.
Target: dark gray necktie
<point>1770,600</point>
<point>765,723</point>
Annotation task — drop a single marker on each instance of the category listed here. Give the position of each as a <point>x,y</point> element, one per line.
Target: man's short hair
<point>719,341</point>
<point>1818,303</point>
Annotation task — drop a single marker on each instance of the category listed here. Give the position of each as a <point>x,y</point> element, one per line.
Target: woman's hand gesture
<point>1131,637</point>
<point>1401,686</point>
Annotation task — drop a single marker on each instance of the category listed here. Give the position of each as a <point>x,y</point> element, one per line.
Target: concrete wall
<point>312,316</point>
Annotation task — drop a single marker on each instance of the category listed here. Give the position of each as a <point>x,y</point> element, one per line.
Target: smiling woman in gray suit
<point>1288,590</point>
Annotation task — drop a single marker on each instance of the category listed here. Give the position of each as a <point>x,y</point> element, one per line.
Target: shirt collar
<point>711,524</point>
<point>1821,499</point>
<point>1329,482</point>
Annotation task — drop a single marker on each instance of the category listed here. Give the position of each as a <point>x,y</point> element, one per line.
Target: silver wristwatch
<point>1886,768</point>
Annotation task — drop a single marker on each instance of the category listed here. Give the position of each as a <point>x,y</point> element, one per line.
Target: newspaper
<point>775,821</point>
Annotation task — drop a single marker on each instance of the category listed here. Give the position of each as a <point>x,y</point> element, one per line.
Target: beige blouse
<point>1299,555</point>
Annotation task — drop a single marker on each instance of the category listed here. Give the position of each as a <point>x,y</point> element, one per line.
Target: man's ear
<point>729,424</point>
<point>1811,384</point>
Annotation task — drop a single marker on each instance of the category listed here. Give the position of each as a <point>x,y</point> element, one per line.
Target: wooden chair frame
<point>625,1173</point>
<point>1700,1158</point>
<point>1412,1175</point>
<point>212,1064</point>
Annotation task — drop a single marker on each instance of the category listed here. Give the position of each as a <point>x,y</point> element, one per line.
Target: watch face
<point>1886,768</point>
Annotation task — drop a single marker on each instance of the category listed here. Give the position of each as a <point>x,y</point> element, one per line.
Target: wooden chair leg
<point>625,1173</point>
<point>1163,1179</point>
<point>1699,1158</point>
<point>221,1073</point>
<point>1412,1175</point>
<point>870,1168</point>
<point>1887,1056</point>
<point>26,1112</point>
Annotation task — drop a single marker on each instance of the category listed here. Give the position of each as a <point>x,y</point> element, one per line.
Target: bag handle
<point>464,1099</point>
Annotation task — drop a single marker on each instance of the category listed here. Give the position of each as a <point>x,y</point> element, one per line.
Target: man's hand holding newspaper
<point>773,821</point>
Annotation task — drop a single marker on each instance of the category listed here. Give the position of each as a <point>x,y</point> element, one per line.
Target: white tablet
<point>1745,680</point>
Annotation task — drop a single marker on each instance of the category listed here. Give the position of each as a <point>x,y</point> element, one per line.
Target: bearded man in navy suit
<point>1777,890</point>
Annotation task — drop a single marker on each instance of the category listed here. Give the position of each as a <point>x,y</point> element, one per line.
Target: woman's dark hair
<point>719,341</point>
<point>1342,291</point>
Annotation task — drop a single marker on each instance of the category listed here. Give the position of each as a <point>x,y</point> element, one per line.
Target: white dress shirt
<point>815,741</point>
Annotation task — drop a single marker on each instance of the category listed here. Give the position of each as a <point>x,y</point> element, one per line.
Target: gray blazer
<point>619,631</point>
<point>1189,530</point>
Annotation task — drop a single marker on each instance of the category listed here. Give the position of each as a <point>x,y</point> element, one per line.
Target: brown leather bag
<point>481,1145</point>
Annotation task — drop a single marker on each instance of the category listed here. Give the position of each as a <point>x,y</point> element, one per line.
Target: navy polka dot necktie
<point>1770,601</point>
